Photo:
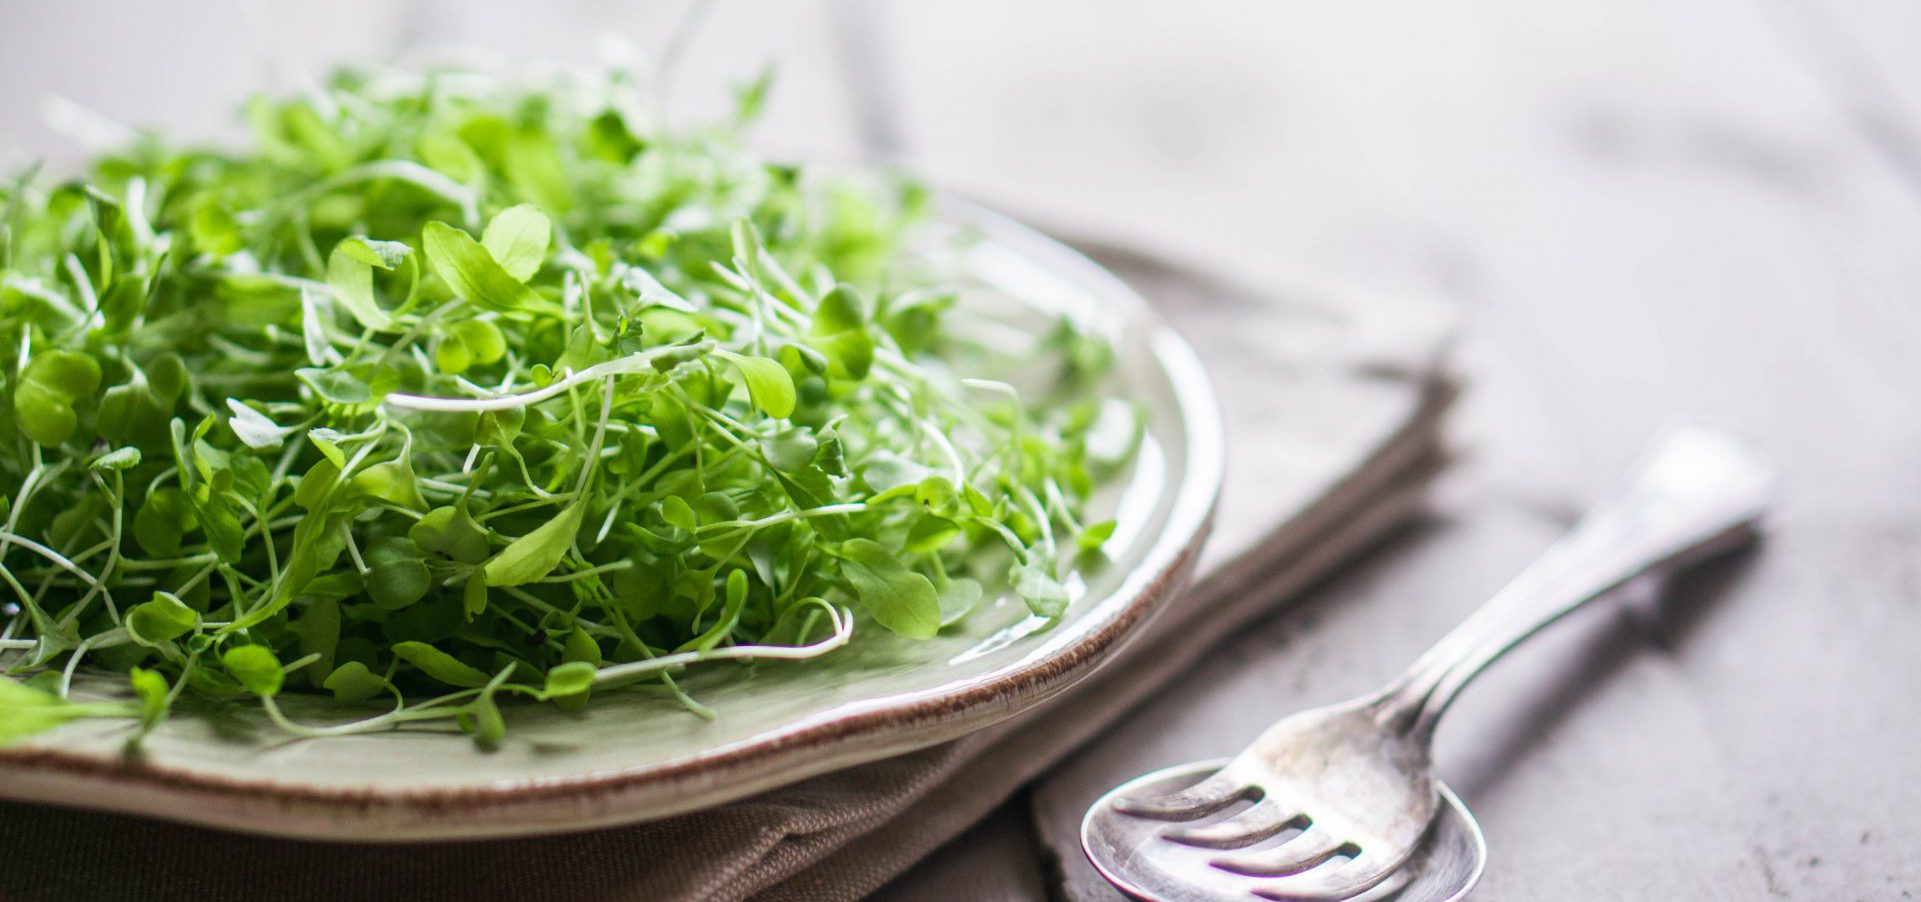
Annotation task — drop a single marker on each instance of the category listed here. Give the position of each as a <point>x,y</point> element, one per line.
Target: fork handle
<point>1694,492</point>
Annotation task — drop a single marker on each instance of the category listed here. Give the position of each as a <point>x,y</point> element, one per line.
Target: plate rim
<point>895,724</point>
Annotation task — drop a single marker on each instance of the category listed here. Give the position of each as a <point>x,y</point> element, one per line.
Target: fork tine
<point>1201,799</point>
<point>1327,883</point>
<point>1244,829</point>
<point>1299,854</point>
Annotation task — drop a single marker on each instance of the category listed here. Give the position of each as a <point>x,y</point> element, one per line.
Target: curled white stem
<point>630,363</point>
<point>843,629</point>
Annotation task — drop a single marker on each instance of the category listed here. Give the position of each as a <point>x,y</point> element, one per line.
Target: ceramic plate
<point>632,757</point>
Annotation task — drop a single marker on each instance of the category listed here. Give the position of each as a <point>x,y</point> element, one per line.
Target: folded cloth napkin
<point>1332,399</point>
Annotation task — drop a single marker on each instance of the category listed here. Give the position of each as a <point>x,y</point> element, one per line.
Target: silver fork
<point>1355,779</point>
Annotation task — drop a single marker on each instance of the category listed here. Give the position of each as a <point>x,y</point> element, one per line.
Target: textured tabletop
<point>1644,210</point>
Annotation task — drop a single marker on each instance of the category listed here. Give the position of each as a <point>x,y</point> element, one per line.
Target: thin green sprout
<point>447,376</point>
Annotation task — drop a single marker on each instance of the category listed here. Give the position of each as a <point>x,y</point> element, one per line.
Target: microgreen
<point>445,392</point>
<point>25,710</point>
<point>48,387</point>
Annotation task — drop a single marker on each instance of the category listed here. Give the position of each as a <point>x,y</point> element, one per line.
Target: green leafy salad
<point>443,389</point>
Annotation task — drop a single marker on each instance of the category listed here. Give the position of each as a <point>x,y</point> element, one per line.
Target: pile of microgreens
<point>445,389</point>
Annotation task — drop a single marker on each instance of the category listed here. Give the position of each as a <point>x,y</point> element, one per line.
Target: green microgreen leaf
<point>25,710</point>
<point>163,619</point>
<point>1095,535</point>
<point>471,272</point>
<point>335,386</point>
<point>517,238</point>
<point>451,531</point>
<point>470,343</point>
<point>473,596</point>
<point>162,521</point>
<point>350,273</point>
<point>840,332</point>
<point>621,400</point>
<point>392,481</point>
<point>378,254</point>
<point>537,553</point>
<point>397,574</point>
<point>571,678</point>
<point>1035,583</point>
<point>212,228</point>
<point>151,689</point>
<point>678,513</point>
<point>44,397</point>
<point>767,383</point>
<point>119,459</point>
<point>897,597</point>
<point>958,599</point>
<point>255,668</point>
<point>353,682</point>
<point>320,625</point>
<point>439,665</point>
<point>255,429</point>
<point>790,450</point>
<point>489,726</point>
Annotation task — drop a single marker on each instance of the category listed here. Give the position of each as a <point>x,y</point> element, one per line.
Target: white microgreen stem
<point>614,567</point>
<point>438,709</point>
<point>629,364</point>
<point>843,629</point>
<point>728,527</point>
<point>58,559</point>
<point>108,639</point>
<point>442,452</point>
<point>600,434</point>
<point>947,448</point>
<point>1041,520</point>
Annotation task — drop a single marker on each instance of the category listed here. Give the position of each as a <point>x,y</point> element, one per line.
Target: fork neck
<point>1694,494</point>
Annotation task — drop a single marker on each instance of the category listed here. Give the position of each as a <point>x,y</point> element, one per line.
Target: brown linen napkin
<point>1332,400</point>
